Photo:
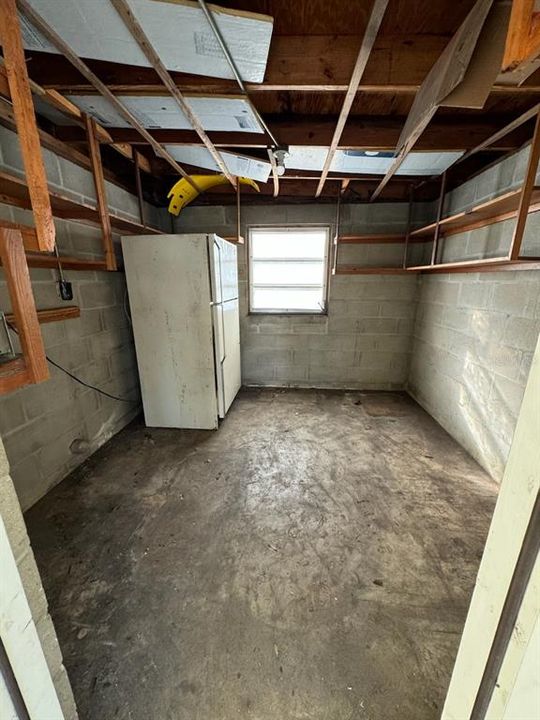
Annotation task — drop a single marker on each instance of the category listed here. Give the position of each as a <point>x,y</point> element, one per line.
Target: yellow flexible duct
<point>182,193</point>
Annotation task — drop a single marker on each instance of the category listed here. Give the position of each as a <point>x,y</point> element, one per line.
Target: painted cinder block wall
<point>475,333</point>
<point>365,339</point>
<point>39,423</point>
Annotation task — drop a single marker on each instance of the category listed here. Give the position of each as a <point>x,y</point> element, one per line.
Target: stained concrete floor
<point>313,559</point>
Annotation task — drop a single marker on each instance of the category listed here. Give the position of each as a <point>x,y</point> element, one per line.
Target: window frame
<point>292,228</point>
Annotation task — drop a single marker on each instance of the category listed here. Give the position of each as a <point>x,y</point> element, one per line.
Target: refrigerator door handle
<point>223,335</point>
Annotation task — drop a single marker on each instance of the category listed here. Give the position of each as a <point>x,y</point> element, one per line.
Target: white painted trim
<point>21,640</point>
<point>519,488</point>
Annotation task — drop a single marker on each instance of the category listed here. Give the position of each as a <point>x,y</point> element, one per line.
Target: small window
<point>288,268</point>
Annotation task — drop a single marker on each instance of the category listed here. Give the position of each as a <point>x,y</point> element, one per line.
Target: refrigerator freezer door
<point>224,269</point>
<point>229,271</point>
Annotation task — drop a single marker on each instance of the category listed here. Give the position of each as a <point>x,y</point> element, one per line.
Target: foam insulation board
<point>177,29</point>
<point>232,114</point>
<point>240,165</point>
<point>358,162</point>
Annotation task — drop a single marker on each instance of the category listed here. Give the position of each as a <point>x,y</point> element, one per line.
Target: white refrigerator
<point>183,296</point>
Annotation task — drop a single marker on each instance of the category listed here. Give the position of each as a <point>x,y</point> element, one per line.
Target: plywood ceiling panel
<point>336,17</point>
<point>95,30</point>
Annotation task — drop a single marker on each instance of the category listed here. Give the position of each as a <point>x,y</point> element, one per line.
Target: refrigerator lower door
<point>230,366</point>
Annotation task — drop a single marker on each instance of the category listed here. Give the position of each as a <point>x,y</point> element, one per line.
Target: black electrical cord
<point>81,382</point>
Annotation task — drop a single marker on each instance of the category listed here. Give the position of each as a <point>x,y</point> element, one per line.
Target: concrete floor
<point>312,559</point>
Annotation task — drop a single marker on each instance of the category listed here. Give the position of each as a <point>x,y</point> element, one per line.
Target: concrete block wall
<point>11,516</point>
<point>365,339</point>
<point>474,340</point>
<point>475,333</point>
<point>40,424</point>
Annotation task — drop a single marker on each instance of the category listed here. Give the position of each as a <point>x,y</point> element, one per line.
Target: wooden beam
<point>523,38</point>
<point>372,239</point>
<point>136,30</point>
<point>507,129</point>
<point>49,315</point>
<point>68,263</point>
<point>480,265</point>
<point>23,108</point>
<point>375,19</point>
<point>29,234</point>
<point>101,194</point>
<point>58,101</point>
<point>65,49</point>
<point>296,63</point>
<point>364,270</point>
<point>57,146</point>
<point>526,193</point>
<point>138,183</point>
<point>444,134</point>
<point>437,231</point>
<point>23,305</point>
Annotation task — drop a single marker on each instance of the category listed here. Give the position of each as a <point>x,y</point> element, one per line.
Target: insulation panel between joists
<point>215,113</point>
<point>357,161</point>
<point>239,165</point>
<point>177,29</point>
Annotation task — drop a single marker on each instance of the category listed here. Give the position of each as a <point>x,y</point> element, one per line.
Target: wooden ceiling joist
<point>136,30</point>
<point>70,110</point>
<point>23,110</point>
<point>374,23</point>
<point>523,40</point>
<point>452,133</point>
<point>300,64</point>
<point>64,48</point>
<point>492,139</point>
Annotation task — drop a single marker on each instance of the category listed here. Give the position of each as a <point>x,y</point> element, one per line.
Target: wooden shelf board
<point>43,260</point>
<point>14,191</point>
<point>13,374</point>
<point>52,314</point>
<point>358,270</point>
<point>370,239</point>
<point>481,265</point>
<point>491,211</point>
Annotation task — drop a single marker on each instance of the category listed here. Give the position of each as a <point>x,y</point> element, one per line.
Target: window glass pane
<point>287,273</point>
<point>287,299</point>
<point>276,244</point>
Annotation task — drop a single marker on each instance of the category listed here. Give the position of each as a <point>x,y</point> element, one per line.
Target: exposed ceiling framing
<point>318,91</point>
<point>374,23</point>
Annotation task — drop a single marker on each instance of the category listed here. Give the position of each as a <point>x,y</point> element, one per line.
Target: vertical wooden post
<point>409,225</point>
<point>526,193</point>
<point>138,183</point>
<point>436,234</point>
<point>23,109</point>
<point>101,195</point>
<point>24,308</point>
<point>335,243</point>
